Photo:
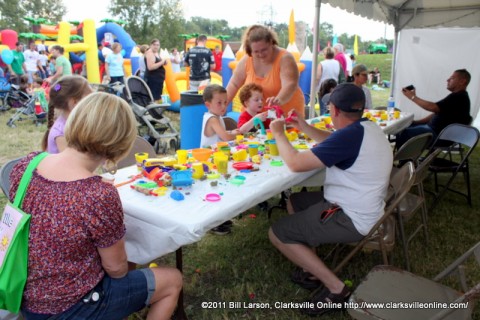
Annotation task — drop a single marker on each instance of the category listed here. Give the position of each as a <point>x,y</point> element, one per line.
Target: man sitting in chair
<point>454,108</point>
<point>358,160</point>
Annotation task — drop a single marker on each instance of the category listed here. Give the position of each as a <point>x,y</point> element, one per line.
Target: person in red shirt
<point>251,96</point>
<point>217,55</point>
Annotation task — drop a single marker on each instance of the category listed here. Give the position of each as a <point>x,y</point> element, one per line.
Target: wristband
<point>413,97</point>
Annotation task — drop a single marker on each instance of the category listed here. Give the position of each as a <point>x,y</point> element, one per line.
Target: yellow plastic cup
<point>384,116</point>
<point>197,170</point>
<point>272,144</point>
<point>253,150</point>
<point>239,138</point>
<point>327,120</point>
<point>139,157</point>
<point>269,134</point>
<point>240,155</point>
<point>396,114</point>
<point>221,161</point>
<point>182,156</point>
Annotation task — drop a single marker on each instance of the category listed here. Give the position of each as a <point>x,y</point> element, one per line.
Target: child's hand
<point>262,116</point>
<point>277,126</point>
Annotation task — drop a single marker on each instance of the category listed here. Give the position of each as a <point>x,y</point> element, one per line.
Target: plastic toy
<point>275,112</point>
<point>132,179</point>
<point>177,195</point>
<point>144,187</point>
<point>257,121</point>
<point>181,178</point>
<point>213,197</point>
<point>291,117</point>
<point>159,191</point>
<point>201,154</point>
<point>257,159</point>
<point>242,165</point>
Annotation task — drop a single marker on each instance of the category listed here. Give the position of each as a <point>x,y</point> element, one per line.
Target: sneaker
<point>304,279</point>
<point>221,230</point>
<point>330,302</point>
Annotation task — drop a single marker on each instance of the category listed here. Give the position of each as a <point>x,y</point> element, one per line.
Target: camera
<point>410,87</point>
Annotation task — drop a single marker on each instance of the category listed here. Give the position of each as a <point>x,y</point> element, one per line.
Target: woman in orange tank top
<point>271,67</point>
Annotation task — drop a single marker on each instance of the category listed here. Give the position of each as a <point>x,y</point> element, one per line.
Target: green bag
<point>14,231</point>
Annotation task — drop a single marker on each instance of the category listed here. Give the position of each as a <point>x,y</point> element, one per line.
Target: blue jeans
<point>412,131</point>
<point>118,298</point>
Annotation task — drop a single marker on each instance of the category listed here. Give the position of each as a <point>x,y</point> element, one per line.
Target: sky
<point>253,11</point>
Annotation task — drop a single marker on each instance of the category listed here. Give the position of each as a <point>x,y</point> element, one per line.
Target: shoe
<point>227,223</point>
<point>304,279</point>
<point>330,302</point>
<point>221,230</point>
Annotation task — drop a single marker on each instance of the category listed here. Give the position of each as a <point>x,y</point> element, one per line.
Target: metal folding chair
<point>382,235</point>
<point>5,175</point>
<point>387,284</point>
<point>140,145</point>
<point>411,203</point>
<point>457,141</point>
<point>413,148</point>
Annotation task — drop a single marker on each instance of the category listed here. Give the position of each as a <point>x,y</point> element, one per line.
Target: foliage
<point>52,10</point>
<point>149,19</point>
<point>11,15</point>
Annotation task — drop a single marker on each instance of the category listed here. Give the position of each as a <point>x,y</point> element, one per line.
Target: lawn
<point>244,267</point>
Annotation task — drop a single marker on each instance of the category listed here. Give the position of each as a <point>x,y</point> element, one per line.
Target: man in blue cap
<point>358,160</point>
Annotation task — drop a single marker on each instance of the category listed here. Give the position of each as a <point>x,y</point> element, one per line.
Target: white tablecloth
<point>160,225</point>
<point>396,125</point>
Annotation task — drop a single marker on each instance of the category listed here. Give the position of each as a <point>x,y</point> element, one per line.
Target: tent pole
<point>394,63</point>
<point>316,24</point>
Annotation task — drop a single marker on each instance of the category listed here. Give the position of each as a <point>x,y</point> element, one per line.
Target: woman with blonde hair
<point>271,67</point>
<point>77,263</point>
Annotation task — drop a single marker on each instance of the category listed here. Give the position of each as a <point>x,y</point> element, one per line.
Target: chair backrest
<point>5,175</point>
<point>400,183</point>
<point>422,169</point>
<point>230,123</point>
<point>457,266</point>
<point>140,145</point>
<point>413,148</point>
<point>138,94</point>
<point>458,133</point>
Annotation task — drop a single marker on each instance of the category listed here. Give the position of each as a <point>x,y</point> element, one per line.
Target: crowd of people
<point>77,229</point>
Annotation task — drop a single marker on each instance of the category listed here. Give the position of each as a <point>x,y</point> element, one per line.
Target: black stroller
<point>161,133</point>
<point>24,105</point>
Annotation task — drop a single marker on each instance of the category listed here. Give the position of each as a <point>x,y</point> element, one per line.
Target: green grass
<point>244,267</point>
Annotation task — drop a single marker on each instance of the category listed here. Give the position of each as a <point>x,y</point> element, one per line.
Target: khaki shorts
<point>307,227</point>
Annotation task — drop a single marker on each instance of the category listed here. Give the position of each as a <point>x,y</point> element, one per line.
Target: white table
<point>396,125</point>
<point>160,225</point>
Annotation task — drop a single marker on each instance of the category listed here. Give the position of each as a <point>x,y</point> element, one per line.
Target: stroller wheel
<point>10,124</point>
<point>160,147</point>
<point>174,144</point>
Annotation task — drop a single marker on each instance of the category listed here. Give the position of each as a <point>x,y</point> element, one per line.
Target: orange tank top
<point>272,84</point>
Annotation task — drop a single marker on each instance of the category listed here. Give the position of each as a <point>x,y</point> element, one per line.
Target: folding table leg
<point>180,312</point>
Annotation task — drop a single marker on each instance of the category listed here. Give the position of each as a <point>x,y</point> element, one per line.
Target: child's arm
<point>213,126</point>
<point>247,126</point>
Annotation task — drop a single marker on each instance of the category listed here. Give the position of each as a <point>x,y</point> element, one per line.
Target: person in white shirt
<point>32,61</point>
<point>175,59</point>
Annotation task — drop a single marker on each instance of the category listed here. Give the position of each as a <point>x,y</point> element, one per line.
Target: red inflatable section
<point>9,38</point>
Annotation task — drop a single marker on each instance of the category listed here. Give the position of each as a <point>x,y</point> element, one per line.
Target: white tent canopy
<point>415,14</point>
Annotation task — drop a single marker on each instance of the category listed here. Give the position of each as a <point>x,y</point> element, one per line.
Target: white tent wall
<point>427,57</point>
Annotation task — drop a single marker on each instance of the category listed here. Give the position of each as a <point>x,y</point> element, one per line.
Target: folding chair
<point>230,123</point>
<point>387,284</point>
<point>382,235</point>
<point>457,141</point>
<point>411,203</point>
<point>5,175</point>
<point>140,145</point>
<point>413,148</point>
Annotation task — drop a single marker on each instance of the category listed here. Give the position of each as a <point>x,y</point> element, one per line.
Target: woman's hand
<point>273,101</point>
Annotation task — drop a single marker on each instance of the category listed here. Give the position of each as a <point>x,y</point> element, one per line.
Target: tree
<point>11,15</point>
<point>149,19</point>
<point>52,10</point>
